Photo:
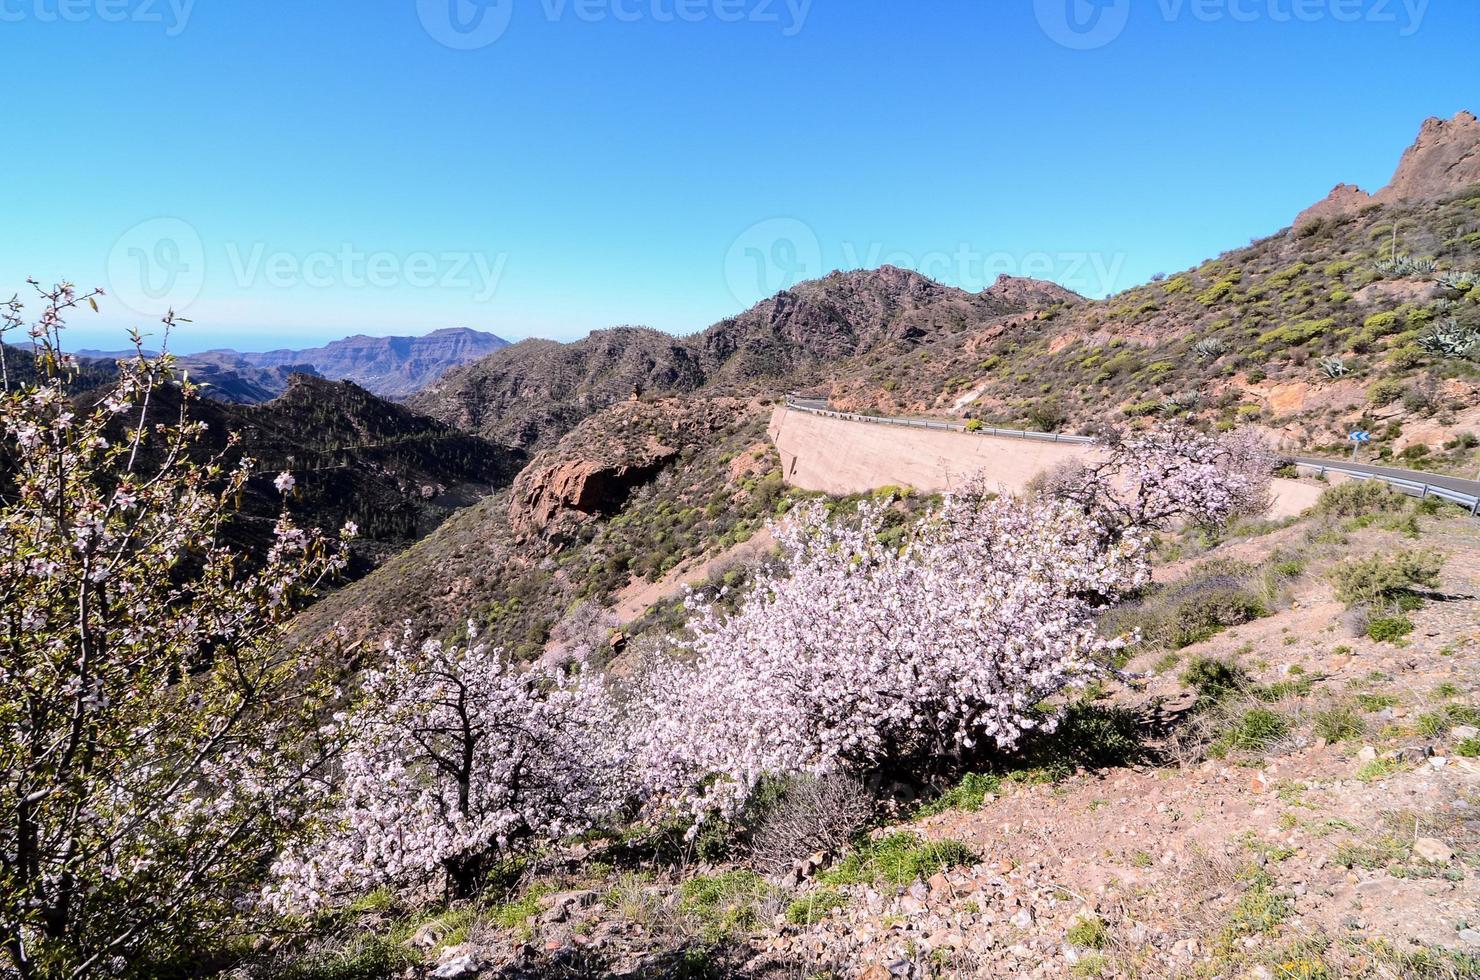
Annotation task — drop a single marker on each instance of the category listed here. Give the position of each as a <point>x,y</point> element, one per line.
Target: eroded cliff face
<point>1444,159</point>
<point>596,467</point>
<point>550,495</point>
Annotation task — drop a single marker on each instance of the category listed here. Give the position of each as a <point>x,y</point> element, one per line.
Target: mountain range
<point>649,450</point>
<point>541,475</point>
<point>392,367</point>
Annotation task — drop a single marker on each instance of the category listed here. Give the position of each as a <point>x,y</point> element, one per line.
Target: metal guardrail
<point>946,426</point>
<point>1411,487</point>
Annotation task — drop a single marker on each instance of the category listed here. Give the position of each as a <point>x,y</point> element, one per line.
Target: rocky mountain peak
<point>1031,293</point>
<point>1343,199</point>
<point>1445,158</point>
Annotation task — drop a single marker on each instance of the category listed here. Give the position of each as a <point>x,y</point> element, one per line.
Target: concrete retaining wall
<point>841,456</point>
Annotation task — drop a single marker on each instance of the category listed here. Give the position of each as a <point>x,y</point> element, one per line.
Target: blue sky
<point>292,171</point>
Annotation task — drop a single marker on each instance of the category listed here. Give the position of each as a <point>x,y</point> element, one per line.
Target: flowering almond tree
<point>1173,473</point>
<point>455,757</point>
<point>864,654</point>
<point>149,747</point>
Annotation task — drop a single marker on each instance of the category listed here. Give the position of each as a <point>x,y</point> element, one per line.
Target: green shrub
<point>1217,292</point>
<point>725,903</point>
<point>1469,748</point>
<point>1358,498</point>
<point>1212,598</point>
<point>1259,910</point>
<point>1088,932</point>
<point>1296,334</point>
<point>1382,324</point>
<point>1385,392</point>
<point>897,859</point>
<point>1377,769</point>
<point>811,909</point>
<point>975,425</point>
<point>1339,724</point>
<point>1214,679</point>
<point>1389,629</point>
<point>968,794</point>
<point>1382,580</point>
<point>1255,730</point>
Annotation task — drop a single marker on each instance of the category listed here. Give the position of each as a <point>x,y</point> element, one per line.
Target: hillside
<point>532,393</point>
<point>355,457</point>
<point>1266,791</point>
<point>1333,324</point>
<point>631,494</point>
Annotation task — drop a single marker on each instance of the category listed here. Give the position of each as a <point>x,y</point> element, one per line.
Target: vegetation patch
<point>898,859</point>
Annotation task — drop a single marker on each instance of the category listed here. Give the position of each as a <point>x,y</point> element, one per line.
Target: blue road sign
<point>1361,437</point>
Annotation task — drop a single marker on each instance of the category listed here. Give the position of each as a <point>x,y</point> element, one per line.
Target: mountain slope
<point>354,456</point>
<point>1309,333</point>
<point>532,393</point>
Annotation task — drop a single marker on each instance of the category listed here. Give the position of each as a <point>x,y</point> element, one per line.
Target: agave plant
<point>1181,402</point>
<point>1405,266</point>
<point>1209,349</point>
<point>1449,339</point>
<point>1333,368</point>
<point>1460,282</point>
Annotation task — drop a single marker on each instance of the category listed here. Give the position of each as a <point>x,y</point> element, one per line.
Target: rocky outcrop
<point>597,466</point>
<point>555,492</point>
<point>1444,159</point>
<point>1032,294</point>
<point>1343,199</point>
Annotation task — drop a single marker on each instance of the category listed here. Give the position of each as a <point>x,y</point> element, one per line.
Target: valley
<point>654,655</point>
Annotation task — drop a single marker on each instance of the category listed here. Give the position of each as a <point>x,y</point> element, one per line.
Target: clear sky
<point>290,171</point>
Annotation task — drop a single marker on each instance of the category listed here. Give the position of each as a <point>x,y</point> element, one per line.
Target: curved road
<point>1418,478</point>
<point>1455,483</point>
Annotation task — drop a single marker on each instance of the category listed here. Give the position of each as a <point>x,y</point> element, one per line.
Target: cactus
<point>1449,339</point>
<point>1334,367</point>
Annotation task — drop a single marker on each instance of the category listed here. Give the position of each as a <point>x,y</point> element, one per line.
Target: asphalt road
<point>1458,485</point>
